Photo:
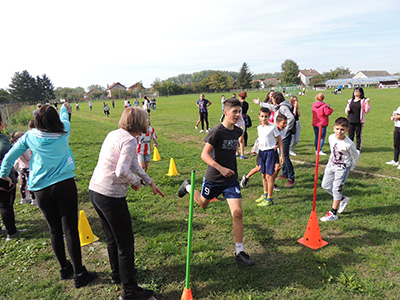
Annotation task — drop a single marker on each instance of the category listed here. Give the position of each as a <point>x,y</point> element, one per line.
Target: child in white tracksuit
<point>344,157</point>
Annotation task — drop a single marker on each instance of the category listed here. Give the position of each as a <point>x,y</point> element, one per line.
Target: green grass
<point>361,261</point>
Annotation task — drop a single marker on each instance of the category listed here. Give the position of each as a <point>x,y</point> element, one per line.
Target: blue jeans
<point>323,134</point>
<point>287,167</point>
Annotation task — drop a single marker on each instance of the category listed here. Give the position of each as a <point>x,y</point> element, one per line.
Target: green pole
<point>189,247</point>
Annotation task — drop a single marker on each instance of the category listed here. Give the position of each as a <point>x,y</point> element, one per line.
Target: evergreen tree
<point>23,87</point>
<point>290,72</point>
<point>245,77</point>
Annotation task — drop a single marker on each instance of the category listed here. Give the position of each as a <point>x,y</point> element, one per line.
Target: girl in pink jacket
<point>356,108</point>
<point>321,112</point>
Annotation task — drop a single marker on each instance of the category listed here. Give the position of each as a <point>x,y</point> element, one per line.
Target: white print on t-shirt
<point>230,144</point>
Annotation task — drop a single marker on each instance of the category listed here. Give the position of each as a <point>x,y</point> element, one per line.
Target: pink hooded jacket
<point>365,108</point>
<point>321,112</point>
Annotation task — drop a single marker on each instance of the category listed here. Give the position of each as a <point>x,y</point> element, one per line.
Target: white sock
<point>188,188</point>
<point>239,248</point>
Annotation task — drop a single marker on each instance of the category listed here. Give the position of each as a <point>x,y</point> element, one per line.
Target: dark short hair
<point>48,120</point>
<point>231,102</point>
<point>278,96</point>
<point>342,122</point>
<point>280,118</point>
<point>265,110</point>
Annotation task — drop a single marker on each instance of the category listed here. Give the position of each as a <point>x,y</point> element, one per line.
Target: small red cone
<point>213,200</point>
<point>187,294</point>
<point>312,237</point>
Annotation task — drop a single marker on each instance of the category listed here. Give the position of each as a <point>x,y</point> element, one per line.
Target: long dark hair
<point>47,120</point>
<point>361,92</point>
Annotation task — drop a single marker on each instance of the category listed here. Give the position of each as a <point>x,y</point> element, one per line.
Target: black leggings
<point>356,128</point>
<point>396,140</point>
<point>204,117</point>
<point>59,204</point>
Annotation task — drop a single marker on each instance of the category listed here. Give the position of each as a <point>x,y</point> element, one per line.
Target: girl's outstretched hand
<point>156,189</point>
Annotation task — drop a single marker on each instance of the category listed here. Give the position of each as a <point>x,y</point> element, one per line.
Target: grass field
<point>361,261</point>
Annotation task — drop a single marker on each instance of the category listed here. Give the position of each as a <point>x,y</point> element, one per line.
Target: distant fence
<point>8,109</point>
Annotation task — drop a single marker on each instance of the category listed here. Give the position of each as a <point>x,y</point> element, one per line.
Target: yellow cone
<point>86,235</point>
<point>172,168</point>
<point>156,155</point>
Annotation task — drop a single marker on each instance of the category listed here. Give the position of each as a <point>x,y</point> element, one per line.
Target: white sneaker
<point>343,204</point>
<point>292,153</point>
<point>329,217</point>
<point>201,131</point>
<point>392,163</point>
<point>25,201</point>
<point>398,167</point>
<point>207,131</point>
<point>322,153</point>
<point>34,202</point>
<point>195,127</point>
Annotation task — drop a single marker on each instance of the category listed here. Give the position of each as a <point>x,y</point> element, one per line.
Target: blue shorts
<point>229,189</point>
<point>266,160</point>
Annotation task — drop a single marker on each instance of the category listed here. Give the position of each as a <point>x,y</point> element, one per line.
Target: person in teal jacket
<point>52,180</point>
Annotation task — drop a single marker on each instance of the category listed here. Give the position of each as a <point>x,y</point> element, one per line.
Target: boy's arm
<point>206,157</point>
<point>280,143</point>
<point>355,155</point>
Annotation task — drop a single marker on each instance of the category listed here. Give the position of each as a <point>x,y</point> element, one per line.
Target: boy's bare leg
<point>265,183</point>
<point>253,171</point>
<point>235,205</point>
<point>143,165</point>
<point>335,204</point>
<point>200,200</point>
<point>270,185</point>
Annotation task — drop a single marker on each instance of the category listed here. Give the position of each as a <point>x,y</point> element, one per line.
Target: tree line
<point>26,88</point>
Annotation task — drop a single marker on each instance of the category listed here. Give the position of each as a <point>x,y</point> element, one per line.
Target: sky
<point>80,43</point>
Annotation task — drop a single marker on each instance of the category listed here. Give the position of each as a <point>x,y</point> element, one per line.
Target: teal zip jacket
<point>51,160</point>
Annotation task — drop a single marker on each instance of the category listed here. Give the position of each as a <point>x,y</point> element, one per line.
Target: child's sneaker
<point>34,202</point>
<point>329,217</point>
<point>195,127</point>
<point>398,167</point>
<point>201,131</point>
<point>392,163</point>
<point>244,181</point>
<point>292,153</point>
<point>281,177</point>
<point>241,156</point>
<point>343,204</point>
<point>182,189</point>
<point>267,202</point>
<point>261,199</point>
<point>290,182</point>
<point>244,259</point>
<point>277,188</point>
<point>25,201</point>
<point>10,237</point>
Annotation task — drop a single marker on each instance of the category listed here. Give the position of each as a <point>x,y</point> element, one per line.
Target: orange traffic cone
<point>312,237</point>
<point>86,235</point>
<point>172,168</point>
<point>156,155</point>
<point>213,200</point>
<point>187,294</point>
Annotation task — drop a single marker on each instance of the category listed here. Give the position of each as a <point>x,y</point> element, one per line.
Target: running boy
<point>268,138</point>
<point>221,174</point>
<point>344,157</point>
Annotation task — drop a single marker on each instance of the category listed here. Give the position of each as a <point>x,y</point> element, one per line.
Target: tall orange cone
<point>86,235</point>
<point>156,155</point>
<point>312,237</point>
<point>172,168</point>
<point>187,294</point>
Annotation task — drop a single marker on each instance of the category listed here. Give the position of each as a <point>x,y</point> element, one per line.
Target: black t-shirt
<point>355,110</point>
<point>245,107</point>
<point>224,142</point>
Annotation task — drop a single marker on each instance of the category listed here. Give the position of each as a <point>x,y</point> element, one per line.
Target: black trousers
<point>117,225</point>
<point>59,204</point>
<point>7,211</point>
<point>204,117</point>
<point>396,142</point>
<point>356,128</point>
